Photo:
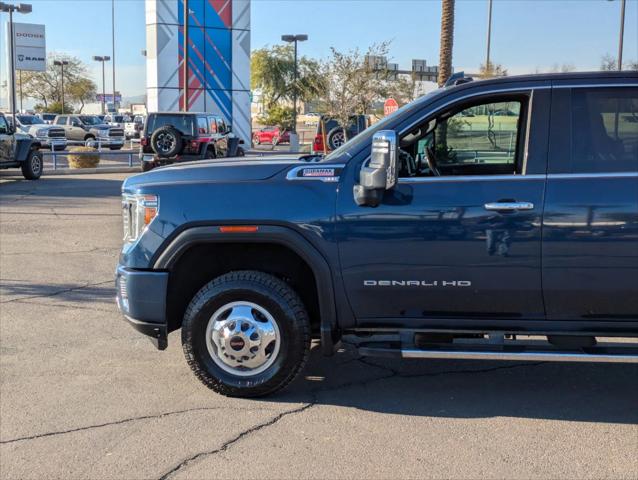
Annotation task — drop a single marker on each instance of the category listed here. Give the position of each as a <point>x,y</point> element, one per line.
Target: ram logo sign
<point>30,47</point>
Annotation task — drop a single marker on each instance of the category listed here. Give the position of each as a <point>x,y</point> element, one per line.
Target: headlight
<point>41,133</point>
<point>138,211</point>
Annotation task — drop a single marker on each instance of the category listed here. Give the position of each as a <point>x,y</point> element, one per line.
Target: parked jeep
<point>19,150</point>
<point>335,136</point>
<point>91,130</point>
<point>170,137</point>
<point>495,219</point>
<point>48,136</point>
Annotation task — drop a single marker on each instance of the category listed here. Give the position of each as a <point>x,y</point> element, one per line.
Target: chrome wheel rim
<point>36,164</point>
<point>243,338</point>
<point>165,142</point>
<point>338,139</point>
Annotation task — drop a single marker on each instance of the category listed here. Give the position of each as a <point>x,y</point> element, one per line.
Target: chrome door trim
<point>556,176</point>
<point>471,178</point>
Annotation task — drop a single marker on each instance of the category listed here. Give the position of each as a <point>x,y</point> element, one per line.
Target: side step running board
<point>615,355</point>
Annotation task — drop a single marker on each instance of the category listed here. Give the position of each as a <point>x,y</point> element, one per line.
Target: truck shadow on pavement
<point>589,392</point>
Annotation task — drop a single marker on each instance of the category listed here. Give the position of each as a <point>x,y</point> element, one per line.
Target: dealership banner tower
<point>218,58</point>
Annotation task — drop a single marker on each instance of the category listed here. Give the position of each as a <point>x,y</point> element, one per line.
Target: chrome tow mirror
<point>380,173</point>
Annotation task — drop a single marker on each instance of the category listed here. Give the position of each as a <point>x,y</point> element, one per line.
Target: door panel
<point>431,249</point>
<point>449,255</point>
<point>590,226</point>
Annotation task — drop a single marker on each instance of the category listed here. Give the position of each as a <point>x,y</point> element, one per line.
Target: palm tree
<point>447,40</point>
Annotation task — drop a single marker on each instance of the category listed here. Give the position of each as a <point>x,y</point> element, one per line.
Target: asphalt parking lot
<point>82,395</point>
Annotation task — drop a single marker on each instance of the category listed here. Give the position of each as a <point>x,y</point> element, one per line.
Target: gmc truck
<point>493,219</point>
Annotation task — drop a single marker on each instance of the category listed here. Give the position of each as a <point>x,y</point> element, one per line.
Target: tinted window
<point>604,130</point>
<point>90,119</point>
<point>221,126</point>
<point>202,125</point>
<point>213,124</point>
<point>183,123</point>
<point>29,120</point>
<point>3,125</point>
<point>61,121</point>
<point>479,140</point>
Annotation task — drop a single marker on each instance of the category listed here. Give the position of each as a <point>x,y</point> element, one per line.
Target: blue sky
<point>526,34</point>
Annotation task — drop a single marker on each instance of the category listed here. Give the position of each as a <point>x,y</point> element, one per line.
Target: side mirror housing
<point>380,173</point>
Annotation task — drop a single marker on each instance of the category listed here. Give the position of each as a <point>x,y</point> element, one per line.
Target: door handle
<point>509,206</point>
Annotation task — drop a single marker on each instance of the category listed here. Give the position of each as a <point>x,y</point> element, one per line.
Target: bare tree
<point>447,41</point>
<point>353,83</point>
<point>608,63</point>
<point>492,70</point>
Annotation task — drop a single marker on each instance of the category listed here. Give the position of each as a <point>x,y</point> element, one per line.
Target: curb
<point>82,171</point>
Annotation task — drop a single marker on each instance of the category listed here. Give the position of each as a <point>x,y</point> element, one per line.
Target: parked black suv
<point>170,137</point>
<point>19,150</point>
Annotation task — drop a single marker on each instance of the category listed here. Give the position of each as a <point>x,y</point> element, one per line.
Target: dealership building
<point>218,56</point>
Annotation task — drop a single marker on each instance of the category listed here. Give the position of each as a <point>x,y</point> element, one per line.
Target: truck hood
<point>203,171</point>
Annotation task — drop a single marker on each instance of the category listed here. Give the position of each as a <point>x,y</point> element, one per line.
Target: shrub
<point>83,157</point>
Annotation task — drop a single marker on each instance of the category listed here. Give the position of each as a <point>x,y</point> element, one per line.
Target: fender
<point>23,147</point>
<point>169,256</point>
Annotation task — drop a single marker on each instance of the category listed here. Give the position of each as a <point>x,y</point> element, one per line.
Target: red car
<point>271,135</point>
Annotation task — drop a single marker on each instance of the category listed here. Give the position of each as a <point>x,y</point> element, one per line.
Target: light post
<point>113,44</point>
<point>186,59</point>
<point>102,58</point>
<point>9,8</point>
<point>489,34</point>
<point>621,33</point>
<point>294,139</point>
<point>61,64</point>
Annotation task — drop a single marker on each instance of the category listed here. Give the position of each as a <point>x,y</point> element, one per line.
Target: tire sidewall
<point>177,148</point>
<point>291,350</point>
<point>27,168</point>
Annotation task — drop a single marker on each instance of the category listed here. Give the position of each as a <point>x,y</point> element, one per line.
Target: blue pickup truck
<point>493,219</point>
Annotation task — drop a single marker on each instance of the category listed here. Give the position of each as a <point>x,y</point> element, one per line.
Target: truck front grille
<point>116,132</point>
<point>56,133</point>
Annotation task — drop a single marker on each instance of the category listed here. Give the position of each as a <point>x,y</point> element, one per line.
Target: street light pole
<point>489,34</point>
<point>113,45</point>
<point>61,64</point>
<point>21,8</point>
<point>294,39</point>
<point>103,58</point>
<point>622,33</point>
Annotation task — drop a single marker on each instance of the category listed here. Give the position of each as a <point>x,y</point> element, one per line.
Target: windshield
<point>29,120</point>
<point>90,120</point>
<point>381,125</point>
<point>183,123</point>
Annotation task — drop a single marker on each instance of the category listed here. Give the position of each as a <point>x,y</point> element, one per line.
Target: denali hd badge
<point>417,283</point>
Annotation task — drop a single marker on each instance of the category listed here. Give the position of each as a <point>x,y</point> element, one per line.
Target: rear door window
<point>183,123</point>
<point>61,121</point>
<point>604,130</point>
<point>202,125</point>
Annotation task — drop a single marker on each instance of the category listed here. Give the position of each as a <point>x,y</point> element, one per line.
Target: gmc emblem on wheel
<point>417,283</point>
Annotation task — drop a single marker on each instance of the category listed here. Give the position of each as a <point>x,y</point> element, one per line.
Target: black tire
<point>269,293</point>
<point>116,148</point>
<point>32,166</point>
<point>167,141</point>
<point>91,137</point>
<point>336,138</point>
<point>210,153</point>
<point>241,152</point>
<point>275,141</point>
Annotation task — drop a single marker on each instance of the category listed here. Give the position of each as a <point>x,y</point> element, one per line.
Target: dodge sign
<point>30,47</point>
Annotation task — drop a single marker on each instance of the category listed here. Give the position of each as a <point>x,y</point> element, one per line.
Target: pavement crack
<point>59,292</point>
<point>235,439</point>
<point>119,422</point>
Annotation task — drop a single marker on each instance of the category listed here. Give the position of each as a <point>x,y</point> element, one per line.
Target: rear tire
<point>246,303</point>
<point>147,166</point>
<point>32,166</point>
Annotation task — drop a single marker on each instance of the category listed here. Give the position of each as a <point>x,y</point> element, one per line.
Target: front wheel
<point>246,334</point>
<point>32,166</point>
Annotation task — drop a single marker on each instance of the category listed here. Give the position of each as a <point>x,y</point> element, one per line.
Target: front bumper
<point>56,143</point>
<point>141,297</point>
<point>111,141</point>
